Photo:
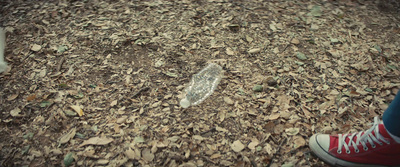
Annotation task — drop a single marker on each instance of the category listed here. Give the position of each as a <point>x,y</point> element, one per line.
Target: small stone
<point>258,88</point>
<point>271,81</point>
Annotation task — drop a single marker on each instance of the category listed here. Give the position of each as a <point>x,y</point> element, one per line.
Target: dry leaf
<point>173,139</point>
<point>66,137</point>
<point>269,127</point>
<point>187,153</point>
<point>274,116</point>
<point>102,162</point>
<point>12,97</point>
<point>198,137</point>
<point>268,149</point>
<point>253,144</point>
<point>122,119</point>
<point>295,41</point>
<point>56,151</point>
<point>90,153</point>
<point>188,164</point>
<point>162,143</point>
<point>237,146</point>
<point>147,155</point>
<point>217,155</point>
<point>113,103</point>
<point>228,100</point>
<point>31,97</point>
<point>298,142</point>
<point>15,112</point>
<point>77,109</point>
<point>292,131</point>
<point>97,141</point>
<point>221,129</point>
<point>255,50</point>
<point>226,163</point>
<point>36,47</point>
<point>154,148</point>
<point>131,154</point>
<point>117,129</point>
<point>230,52</point>
<point>306,112</point>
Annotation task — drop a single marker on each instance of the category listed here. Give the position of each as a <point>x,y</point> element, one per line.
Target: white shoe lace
<point>363,138</point>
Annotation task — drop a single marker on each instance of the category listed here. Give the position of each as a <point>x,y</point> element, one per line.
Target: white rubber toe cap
<point>319,144</point>
<point>3,66</point>
<point>323,141</point>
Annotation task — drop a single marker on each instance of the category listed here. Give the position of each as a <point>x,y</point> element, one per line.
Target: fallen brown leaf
<point>12,97</point>
<point>66,137</point>
<point>97,141</point>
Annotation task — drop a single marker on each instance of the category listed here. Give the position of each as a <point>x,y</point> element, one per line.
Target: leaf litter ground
<point>98,83</point>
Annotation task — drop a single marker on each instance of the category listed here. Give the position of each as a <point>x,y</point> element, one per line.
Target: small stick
<point>140,91</point>
<point>213,129</point>
<point>60,64</point>
<point>284,49</point>
<point>279,149</point>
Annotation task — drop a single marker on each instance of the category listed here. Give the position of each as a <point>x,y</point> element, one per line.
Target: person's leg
<point>378,146</point>
<point>391,118</point>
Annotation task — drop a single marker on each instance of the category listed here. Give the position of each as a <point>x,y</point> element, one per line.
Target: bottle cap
<point>185,103</point>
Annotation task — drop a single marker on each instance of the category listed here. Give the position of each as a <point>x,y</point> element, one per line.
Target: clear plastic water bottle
<point>3,64</point>
<point>202,85</point>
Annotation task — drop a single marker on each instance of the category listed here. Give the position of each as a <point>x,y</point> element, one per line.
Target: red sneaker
<point>371,148</point>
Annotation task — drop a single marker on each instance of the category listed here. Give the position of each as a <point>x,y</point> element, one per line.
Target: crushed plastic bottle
<point>202,85</point>
<point>3,64</point>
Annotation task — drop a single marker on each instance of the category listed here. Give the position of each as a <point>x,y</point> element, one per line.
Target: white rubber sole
<point>331,160</point>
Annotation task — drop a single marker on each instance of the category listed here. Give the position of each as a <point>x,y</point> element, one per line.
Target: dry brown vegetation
<point>98,83</point>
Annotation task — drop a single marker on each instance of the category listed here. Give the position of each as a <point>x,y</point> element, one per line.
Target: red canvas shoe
<point>371,148</point>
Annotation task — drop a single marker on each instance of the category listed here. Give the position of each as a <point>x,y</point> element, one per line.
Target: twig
<point>284,49</point>
<point>140,91</point>
<point>279,149</point>
<point>60,64</point>
<point>253,163</point>
<point>307,155</point>
<point>213,129</point>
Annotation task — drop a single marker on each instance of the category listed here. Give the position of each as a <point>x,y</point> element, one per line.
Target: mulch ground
<point>98,83</point>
